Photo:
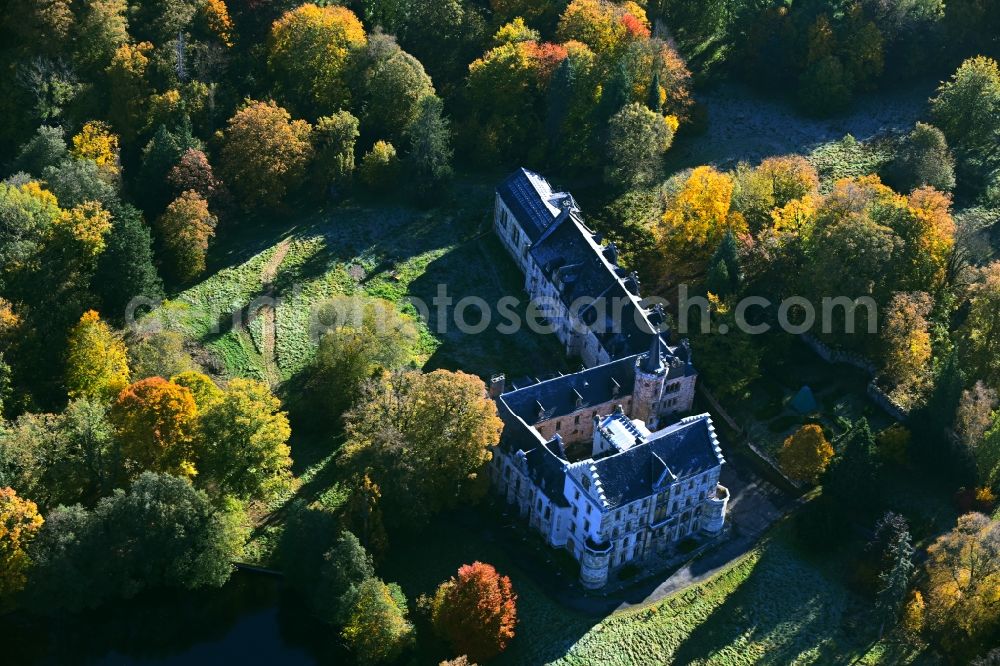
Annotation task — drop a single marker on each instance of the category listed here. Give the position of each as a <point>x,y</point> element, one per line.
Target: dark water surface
<point>250,620</point>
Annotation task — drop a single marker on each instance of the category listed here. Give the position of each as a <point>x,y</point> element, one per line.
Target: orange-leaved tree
<point>476,611</point>
<point>155,422</point>
<point>265,153</point>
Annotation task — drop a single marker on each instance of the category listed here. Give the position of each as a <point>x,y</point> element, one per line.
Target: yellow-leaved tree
<point>906,342</point>
<point>97,142</point>
<point>698,215</point>
<point>308,53</point>
<point>96,360</point>
<point>963,582</point>
<point>806,453</point>
<point>19,522</point>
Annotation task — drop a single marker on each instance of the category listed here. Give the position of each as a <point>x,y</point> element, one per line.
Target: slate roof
<point>547,471</point>
<point>532,201</point>
<point>559,396</point>
<point>545,466</point>
<point>684,449</point>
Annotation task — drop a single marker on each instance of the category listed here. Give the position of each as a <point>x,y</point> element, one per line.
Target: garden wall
<point>877,395</point>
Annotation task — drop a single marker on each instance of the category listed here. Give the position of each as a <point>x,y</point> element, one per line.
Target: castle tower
<point>650,371</point>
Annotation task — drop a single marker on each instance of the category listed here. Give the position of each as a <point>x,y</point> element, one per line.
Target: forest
<point>146,143</point>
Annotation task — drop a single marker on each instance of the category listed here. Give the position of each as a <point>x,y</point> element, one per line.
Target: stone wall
<point>831,355</point>
<point>877,395</point>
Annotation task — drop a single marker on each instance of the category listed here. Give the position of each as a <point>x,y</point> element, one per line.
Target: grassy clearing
<point>776,605</point>
<point>387,251</point>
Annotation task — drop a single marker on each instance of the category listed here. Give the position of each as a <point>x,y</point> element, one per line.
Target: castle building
<point>597,461</point>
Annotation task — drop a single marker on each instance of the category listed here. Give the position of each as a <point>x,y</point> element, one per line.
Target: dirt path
<point>268,334</point>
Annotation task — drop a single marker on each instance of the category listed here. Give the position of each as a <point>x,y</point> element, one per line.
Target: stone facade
<point>596,461</point>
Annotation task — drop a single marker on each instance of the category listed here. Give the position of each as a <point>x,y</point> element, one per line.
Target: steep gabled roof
<point>684,449</point>
<point>568,393</point>
<point>531,199</point>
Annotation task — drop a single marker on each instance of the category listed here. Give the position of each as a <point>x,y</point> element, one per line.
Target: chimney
<point>498,385</point>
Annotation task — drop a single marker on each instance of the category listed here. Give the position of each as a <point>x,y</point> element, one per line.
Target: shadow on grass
<point>788,608</point>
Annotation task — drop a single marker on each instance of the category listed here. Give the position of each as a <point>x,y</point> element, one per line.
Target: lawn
<point>385,250</point>
<point>776,605</point>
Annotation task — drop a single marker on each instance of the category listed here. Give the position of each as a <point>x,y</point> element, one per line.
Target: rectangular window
<point>586,526</point>
<point>558,425</point>
<point>576,419</point>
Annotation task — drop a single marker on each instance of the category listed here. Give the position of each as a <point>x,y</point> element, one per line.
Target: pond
<point>250,620</point>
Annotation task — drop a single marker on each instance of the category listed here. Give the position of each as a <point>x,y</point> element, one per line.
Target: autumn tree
<point>308,53</point>
<point>806,453</point>
<point>476,611</point>
<point>380,167</point>
<point>698,215</point>
<point>977,431</point>
<point>97,143</point>
<point>206,393</point>
<point>377,630</point>
<point>637,140</point>
<point>602,25</point>
<point>906,344</point>
<point>185,229</point>
<point>27,214</point>
<point>505,90</point>
<point>245,447</point>
<point>981,332</point>
<point>19,523</point>
<point>445,424</point>
<point>963,574</point>
<point>334,138</point>
<point>975,414</point>
<point>96,360</point>
<point>265,153</point>
<point>774,183</point>
<point>192,172</point>
<point>155,422</point>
